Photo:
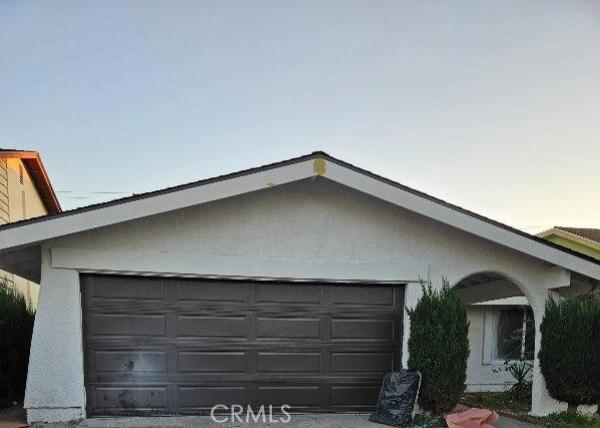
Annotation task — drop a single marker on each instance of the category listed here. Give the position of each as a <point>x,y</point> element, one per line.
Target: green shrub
<point>571,420</point>
<point>16,325</point>
<point>428,421</point>
<point>570,348</point>
<point>438,347</point>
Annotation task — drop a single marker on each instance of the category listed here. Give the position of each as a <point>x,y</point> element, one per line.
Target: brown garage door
<point>178,346</point>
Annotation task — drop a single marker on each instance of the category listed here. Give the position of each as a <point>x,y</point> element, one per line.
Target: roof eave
<point>38,230</point>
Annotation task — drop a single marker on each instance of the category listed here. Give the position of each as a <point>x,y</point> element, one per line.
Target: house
<point>281,284</point>
<point>25,192</point>
<point>583,240</point>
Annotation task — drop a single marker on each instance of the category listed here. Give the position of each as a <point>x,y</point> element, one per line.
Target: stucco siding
<point>55,386</point>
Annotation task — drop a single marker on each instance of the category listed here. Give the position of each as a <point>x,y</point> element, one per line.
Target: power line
<point>94,192</point>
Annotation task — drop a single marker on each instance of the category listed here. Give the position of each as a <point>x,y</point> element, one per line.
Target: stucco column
<point>55,389</point>
<point>412,294</point>
<point>541,402</point>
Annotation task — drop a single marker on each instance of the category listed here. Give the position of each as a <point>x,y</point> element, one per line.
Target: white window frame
<point>490,333</point>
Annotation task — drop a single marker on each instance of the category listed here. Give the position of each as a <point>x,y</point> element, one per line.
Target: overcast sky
<point>492,105</point>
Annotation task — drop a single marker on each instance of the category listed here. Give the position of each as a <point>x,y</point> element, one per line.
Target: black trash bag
<point>397,398</point>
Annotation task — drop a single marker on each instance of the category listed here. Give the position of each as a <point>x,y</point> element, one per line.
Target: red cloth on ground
<point>472,418</point>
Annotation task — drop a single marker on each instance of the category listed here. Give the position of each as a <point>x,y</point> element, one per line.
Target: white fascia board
<point>182,264</point>
<point>459,220</point>
<point>78,222</point>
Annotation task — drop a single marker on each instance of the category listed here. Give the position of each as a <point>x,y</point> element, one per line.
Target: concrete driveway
<point>15,418</point>
<point>297,421</point>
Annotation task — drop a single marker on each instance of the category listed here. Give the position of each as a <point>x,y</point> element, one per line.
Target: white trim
<point>185,265</point>
<point>35,232</point>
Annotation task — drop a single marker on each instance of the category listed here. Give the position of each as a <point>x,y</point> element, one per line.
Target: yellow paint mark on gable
<point>319,166</point>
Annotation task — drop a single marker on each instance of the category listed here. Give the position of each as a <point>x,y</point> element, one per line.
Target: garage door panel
<point>297,396</point>
<point>365,295</point>
<point>127,288</point>
<point>362,329</point>
<point>129,361</point>
<point>204,397</point>
<point>212,362</point>
<point>288,362</point>
<point>306,328</point>
<point>287,293</point>
<point>216,291</point>
<point>128,325</point>
<point>181,346</point>
<point>362,362</point>
<point>202,326</point>
<point>129,398</point>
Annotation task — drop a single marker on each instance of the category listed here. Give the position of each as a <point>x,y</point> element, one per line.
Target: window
<point>21,174</point>
<point>509,334</point>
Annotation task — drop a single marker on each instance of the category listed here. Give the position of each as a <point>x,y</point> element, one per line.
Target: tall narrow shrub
<point>438,347</point>
<point>570,349</point>
<point>16,326</point>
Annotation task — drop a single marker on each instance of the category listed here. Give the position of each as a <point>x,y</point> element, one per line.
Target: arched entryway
<point>502,331</point>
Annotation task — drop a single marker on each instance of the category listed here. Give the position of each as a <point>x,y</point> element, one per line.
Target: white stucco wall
<point>309,229</point>
<point>55,390</point>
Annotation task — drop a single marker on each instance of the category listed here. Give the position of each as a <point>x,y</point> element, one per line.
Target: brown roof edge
<point>35,167</point>
<point>590,233</point>
<point>313,155</point>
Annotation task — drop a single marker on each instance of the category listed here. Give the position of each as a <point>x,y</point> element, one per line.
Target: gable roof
<point>35,168</point>
<point>33,231</point>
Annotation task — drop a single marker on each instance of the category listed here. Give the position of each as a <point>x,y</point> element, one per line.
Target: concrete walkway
<point>297,421</point>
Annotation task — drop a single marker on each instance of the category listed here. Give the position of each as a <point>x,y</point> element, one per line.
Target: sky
<point>491,105</point>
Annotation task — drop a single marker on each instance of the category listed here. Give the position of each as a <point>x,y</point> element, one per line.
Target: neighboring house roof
<point>37,172</point>
<point>30,232</point>
<point>588,233</point>
<point>579,239</point>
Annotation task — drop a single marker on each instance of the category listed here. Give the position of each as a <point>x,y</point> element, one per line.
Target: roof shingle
<point>584,232</point>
